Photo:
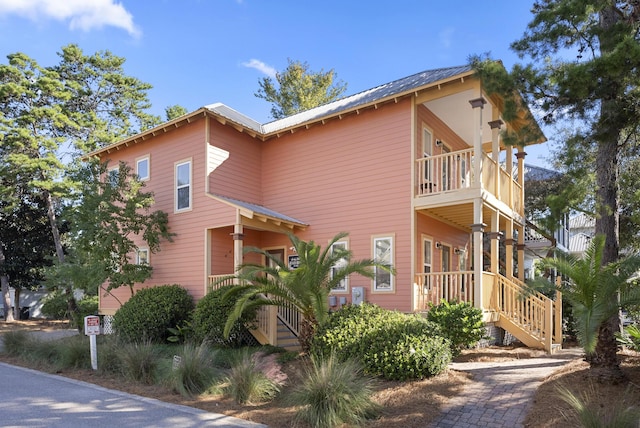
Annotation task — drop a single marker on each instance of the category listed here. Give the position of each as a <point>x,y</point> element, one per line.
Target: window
<point>183,186</point>
<point>343,285</point>
<point>112,175</point>
<point>427,152</point>
<point>383,254</point>
<point>142,168</point>
<point>426,255</point>
<point>142,256</point>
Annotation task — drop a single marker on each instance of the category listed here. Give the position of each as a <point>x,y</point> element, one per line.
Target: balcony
<point>453,174</point>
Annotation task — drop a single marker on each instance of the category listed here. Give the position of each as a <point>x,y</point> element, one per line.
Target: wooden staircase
<point>532,317</point>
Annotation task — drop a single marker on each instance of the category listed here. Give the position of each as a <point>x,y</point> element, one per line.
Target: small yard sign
<point>92,329</point>
<point>91,325</point>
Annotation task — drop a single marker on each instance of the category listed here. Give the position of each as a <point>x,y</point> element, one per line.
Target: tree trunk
<point>307,330</point>
<point>16,303</point>
<point>605,359</point>
<point>4,282</point>
<point>53,221</point>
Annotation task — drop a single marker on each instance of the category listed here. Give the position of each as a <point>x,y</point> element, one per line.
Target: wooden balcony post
<point>558,318</point>
<point>521,155</point>
<point>478,105</point>
<point>495,151</point>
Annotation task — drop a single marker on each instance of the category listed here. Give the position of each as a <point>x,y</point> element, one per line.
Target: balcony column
<point>477,104</point>
<point>520,156</point>
<point>238,243</point>
<point>495,126</point>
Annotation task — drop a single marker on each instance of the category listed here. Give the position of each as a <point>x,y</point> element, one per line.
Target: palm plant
<point>305,287</point>
<point>591,291</point>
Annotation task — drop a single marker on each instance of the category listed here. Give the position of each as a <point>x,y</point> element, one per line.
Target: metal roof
<point>259,209</point>
<point>382,92</point>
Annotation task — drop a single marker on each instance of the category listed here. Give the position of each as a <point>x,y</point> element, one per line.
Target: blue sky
<point>197,52</point>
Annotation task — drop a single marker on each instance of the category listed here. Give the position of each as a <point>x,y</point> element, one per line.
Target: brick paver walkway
<point>501,392</point>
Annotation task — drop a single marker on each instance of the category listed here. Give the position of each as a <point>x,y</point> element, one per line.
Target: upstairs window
<point>142,256</point>
<point>112,175</point>
<point>183,186</point>
<point>142,168</point>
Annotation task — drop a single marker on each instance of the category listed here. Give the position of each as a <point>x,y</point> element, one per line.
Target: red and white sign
<point>91,325</point>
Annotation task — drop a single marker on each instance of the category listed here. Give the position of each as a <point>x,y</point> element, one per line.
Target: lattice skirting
<point>107,324</point>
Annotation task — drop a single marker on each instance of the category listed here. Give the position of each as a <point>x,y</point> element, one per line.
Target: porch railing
<point>454,171</point>
<point>267,316</point>
<point>433,288</point>
<point>533,312</point>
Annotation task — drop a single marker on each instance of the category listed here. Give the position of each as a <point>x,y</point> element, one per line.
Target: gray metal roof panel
<point>397,87</point>
<point>259,209</point>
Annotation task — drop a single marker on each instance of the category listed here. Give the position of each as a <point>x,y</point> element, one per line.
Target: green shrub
<point>72,353</point>
<point>194,371</point>
<point>460,322</point>
<point>334,393</point>
<point>246,384</point>
<point>387,343</point>
<point>151,312</point>
<point>630,337</point>
<point>210,317</point>
<point>139,361</point>
<point>55,306</point>
<point>15,342</point>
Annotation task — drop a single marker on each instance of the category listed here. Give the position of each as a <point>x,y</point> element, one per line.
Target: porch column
<point>508,244</point>
<point>238,243</point>
<point>495,152</point>
<point>521,248</point>
<point>477,230</point>
<point>478,105</point>
<point>494,244</point>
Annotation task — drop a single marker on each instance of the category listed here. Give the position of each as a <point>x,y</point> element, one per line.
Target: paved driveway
<point>29,398</point>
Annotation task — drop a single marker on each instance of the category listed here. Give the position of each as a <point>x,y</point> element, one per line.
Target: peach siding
<point>440,132</point>
<point>239,176</point>
<point>444,233</point>
<point>351,175</point>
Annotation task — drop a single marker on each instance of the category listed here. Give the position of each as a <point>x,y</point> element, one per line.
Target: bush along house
<point>415,170</point>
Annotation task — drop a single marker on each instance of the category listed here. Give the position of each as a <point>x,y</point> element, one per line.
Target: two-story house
<point>410,169</point>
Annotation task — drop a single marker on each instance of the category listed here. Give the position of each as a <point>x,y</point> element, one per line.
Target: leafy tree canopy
<point>297,89</point>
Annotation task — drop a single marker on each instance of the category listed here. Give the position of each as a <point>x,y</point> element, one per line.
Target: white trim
<point>389,257</point>
<point>176,187</point>
<point>345,281</point>
<point>146,158</point>
<point>147,260</point>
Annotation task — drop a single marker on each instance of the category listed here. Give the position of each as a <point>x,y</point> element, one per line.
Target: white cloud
<point>84,15</point>
<point>445,36</point>
<point>261,67</point>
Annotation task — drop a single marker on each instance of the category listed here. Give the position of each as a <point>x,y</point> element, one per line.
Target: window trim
<point>138,161</point>
<point>143,250</point>
<point>345,289</point>
<point>375,288</point>
<point>176,187</point>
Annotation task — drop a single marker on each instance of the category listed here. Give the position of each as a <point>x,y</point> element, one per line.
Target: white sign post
<point>92,329</point>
